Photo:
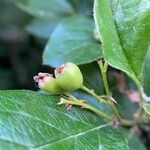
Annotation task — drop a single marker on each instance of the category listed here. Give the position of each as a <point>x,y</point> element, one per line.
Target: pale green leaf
<point>72,40</point>
<point>42,27</point>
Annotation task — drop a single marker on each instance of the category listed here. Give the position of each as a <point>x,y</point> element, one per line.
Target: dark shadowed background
<point>20,49</point>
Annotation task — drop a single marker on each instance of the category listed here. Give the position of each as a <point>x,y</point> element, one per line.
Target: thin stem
<point>140,90</point>
<point>91,92</point>
<point>133,122</point>
<point>103,68</point>
<point>124,122</point>
<point>84,105</point>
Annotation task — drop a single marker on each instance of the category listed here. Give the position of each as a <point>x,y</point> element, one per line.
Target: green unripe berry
<point>47,83</point>
<point>69,77</point>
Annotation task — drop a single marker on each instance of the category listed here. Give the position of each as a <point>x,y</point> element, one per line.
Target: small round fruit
<point>48,83</point>
<point>69,77</point>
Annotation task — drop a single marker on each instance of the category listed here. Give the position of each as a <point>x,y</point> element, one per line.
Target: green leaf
<point>125,34</point>
<point>42,27</point>
<point>72,40</point>
<point>133,140</point>
<point>48,8</point>
<point>92,77</point>
<point>85,8</point>
<point>29,120</point>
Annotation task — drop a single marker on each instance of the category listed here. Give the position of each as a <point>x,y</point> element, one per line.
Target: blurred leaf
<point>133,141</point>
<point>42,27</point>
<point>46,8</point>
<point>30,120</point>
<point>121,89</point>
<point>6,78</point>
<point>72,40</point>
<point>84,8</point>
<point>125,36</point>
<point>126,107</point>
<point>2,51</point>
<point>11,16</point>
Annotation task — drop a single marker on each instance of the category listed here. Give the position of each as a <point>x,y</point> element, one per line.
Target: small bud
<point>69,77</point>
<point>47,82</point>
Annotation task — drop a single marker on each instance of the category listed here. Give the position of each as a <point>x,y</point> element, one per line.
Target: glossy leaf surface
<point>125,33</point>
